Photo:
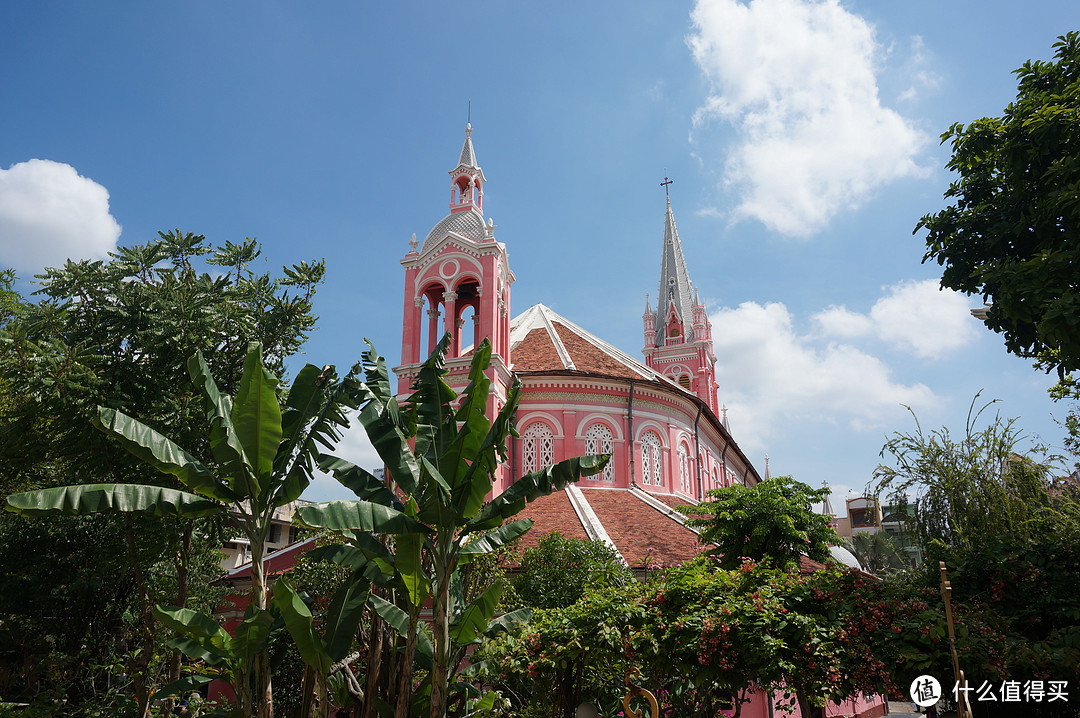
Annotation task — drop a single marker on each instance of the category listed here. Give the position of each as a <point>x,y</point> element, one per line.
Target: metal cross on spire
<point>665,184</point>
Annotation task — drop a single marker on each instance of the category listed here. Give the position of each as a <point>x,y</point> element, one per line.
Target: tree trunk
<point>264,697</point>
<point>440,678</point>
<point>404,688</point>
<point>374,665</point>
<point>806,709</point>
<point>183,570</point>
<point>141,661</point>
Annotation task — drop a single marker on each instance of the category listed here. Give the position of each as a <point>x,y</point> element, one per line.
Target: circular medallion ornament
<point>448,268</point>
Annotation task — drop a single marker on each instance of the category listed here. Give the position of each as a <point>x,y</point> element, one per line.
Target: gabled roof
<point>543,341</point>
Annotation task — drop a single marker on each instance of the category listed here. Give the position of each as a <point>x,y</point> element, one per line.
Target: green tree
<point>116,334</point>
<point>263,459</point>
<point>556,572</point>
<point>773,521</point>
<point>704,640</point>
<point>973,488</point>
<point>1012,233</point>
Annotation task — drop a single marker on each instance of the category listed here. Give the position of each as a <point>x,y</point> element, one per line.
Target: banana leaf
<point>160,452</point>
<point>105,498</point>
<point>256,416</point>
<point>301,626</point>
<point>494,540</point>
<point>360,516</point>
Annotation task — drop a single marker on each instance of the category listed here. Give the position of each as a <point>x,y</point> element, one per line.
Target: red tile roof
<point>636,527</point>
<point>633,526</point>
<point>590,358</point>
<point>551,513</point>
<point>536,352</point>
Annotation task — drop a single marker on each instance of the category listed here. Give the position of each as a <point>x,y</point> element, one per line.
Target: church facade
<point>658,417</point>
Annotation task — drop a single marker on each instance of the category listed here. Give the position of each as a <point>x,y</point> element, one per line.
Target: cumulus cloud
<point>797,79</point>
<point>917,317</point>
<point>772,378</point>
<point>49,213</point>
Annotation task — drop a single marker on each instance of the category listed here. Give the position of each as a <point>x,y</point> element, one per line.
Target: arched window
<point>684,381</point>
<point>598,440</point>
<point>684,469</point>
<point>652,466</point>
<point>537,447</point>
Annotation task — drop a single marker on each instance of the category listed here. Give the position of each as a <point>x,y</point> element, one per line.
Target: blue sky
<point>802,138</point>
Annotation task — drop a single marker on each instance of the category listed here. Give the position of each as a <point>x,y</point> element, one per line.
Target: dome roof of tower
<point>467,225</point>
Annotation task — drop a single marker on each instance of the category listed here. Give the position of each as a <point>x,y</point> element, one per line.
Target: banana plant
<point>263,458</point>
<point>443,462</point>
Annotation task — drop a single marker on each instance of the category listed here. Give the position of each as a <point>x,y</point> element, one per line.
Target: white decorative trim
<point>663,508</point>
<point>589,521</point>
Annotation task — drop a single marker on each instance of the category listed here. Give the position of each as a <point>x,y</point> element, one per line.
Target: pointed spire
<point>826,506</point>
<point>468,155</point>
<point>675,286</point>
<point>727,426</point>
<point>648,307</point>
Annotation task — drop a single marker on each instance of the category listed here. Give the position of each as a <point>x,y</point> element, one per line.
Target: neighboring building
<point>659,419</point>
<point>237,550</point>
<point>866,515</point>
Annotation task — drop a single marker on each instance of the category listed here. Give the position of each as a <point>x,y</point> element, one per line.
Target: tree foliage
<point>1012,232</point>
<point>556,572</point>
<point>704,640</point>
<point>878,552</point>
<point>116,333</point>
<point>973,488</point>
<point>773,521</point>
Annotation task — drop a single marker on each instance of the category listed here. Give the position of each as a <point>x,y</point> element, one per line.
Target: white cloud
<point>49,213</point>
<point>797,79</point>
<point>917,71</point>
<point>355,448</point>
<point>775,380</point>
<point>916,317</point>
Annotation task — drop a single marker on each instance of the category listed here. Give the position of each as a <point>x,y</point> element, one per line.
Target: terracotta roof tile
<point>634,527</point>
<point>537,352</point>
<point>590,358</point>
<point>670,499</point>
<point>551,513</point>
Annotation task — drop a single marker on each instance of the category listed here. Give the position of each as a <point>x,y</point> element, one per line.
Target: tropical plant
<point>877,552</point>
<point>705,640</point>
<point>772,521</point>
<point>441,453</point>
<point>263,459</point>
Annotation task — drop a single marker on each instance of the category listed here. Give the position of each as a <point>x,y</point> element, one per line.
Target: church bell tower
<point>458,281</point>
<point>678,335</point>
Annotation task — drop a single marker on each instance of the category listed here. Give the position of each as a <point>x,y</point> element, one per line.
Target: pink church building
<point>658,417</point>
